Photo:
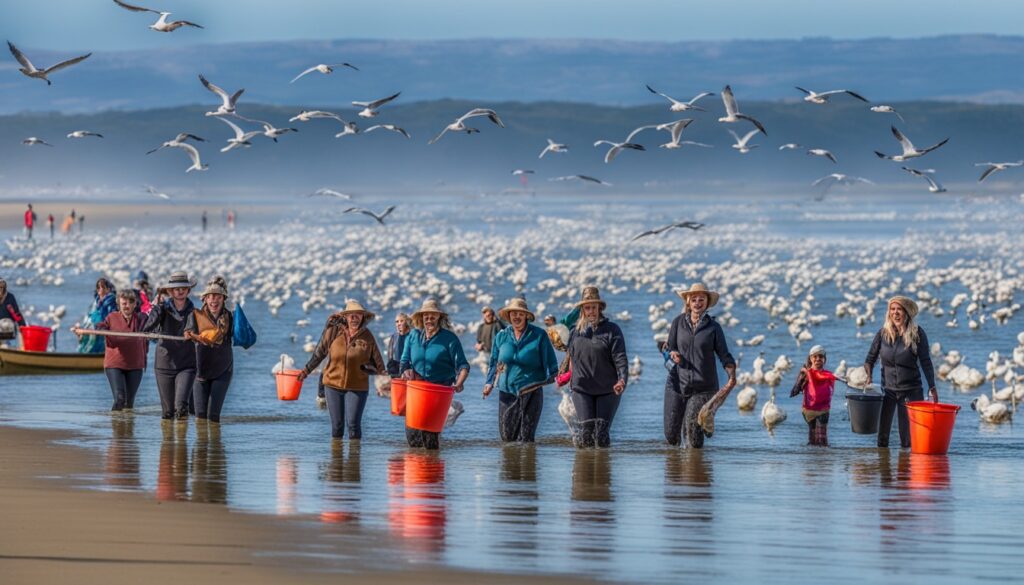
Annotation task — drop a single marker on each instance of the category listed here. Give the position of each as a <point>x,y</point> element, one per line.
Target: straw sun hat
<point>178,279</point>
<point>354,306</point>
<point>429,305</point>
<point>906,304</point>
<point>591,295</point>
<point>516,304</point>
<point>699,288</point>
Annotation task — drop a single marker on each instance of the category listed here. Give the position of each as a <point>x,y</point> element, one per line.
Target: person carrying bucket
<point>211,327</point>
<point>522,359</point>
<point>432,353</point>
<point>902,345</point>
<point>175,363</point>
<point>817,384</point>
<point>354,356</point>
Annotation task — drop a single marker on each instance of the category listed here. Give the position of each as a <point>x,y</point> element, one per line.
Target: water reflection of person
<point>343,475</point>
<point>516,505</point>
<point>417,510</point>
<point>688,493</point>
<point>287,477</point>
<point>209,465</point>
<point>172,471</point>
<point>590,513</point>
<point>122,457</point>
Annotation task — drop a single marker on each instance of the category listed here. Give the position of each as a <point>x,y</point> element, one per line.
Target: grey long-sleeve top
<point>598,357</point>
<point>697,345</point>
<point>902,365</point>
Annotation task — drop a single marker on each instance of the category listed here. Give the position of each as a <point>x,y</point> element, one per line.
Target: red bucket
<point>931,426</point>
<point>426,405</point>
<point>35,337</point>
<point>288,384</point>
<point>398,396</point>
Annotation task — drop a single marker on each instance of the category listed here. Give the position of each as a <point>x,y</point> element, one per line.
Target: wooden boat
<point>16,361</point>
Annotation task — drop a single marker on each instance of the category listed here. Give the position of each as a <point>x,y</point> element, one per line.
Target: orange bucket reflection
<point>929,472</point>
<point>418,510</point>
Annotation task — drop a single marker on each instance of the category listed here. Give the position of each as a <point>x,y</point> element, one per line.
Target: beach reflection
<point>209,465</point>
<point>517,500</point>
<point>172,471</point>
<point>121,460</point>
<point>342,477</point>
<point>286,478</point>
<point>688,506</point>
<point>416,508</point>
<point>591,515</point>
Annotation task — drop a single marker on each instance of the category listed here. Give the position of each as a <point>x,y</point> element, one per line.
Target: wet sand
<point>56,532</point>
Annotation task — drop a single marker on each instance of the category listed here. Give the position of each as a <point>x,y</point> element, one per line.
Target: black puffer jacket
<point>901,365</point>
<point>598,357</point>
<point>698,345</point>
<point>165,319</point>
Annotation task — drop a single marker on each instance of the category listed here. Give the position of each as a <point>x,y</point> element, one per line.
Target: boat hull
<point>18,362</point>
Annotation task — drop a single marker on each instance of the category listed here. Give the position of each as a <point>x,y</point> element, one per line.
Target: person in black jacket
<point>9,306</point>
<point>694,340</point>
<point>175,361</point>
<point>211,327</point>
<point>600,370</point>
<point>903,347</point>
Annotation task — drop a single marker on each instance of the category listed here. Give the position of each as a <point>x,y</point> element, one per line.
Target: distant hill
<point>972,68</point>
<point>382,162</point>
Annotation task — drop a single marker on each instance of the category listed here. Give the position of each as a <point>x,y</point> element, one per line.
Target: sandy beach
<point>56,532</point>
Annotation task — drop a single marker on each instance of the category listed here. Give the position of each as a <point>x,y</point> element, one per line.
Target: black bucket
<point>865,410</point>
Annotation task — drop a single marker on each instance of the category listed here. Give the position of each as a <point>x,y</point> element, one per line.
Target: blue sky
<point>101,25</point>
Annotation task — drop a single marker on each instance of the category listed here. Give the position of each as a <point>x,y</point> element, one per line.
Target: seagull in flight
<point>325,69</point>
<point>790,146</point>
<point>379,218</point>
<point>459,125</point>
<point>370,108</point>
<point>30,70</point>
<point>325,192</point>
<point>822,152</point>
<point>193,154</point>
<point>732,111</point>
<point>83,134</point>
<point>676,129</point>
<point>584,178</point>
<point>553,147</point>
<point>616,148</point>
<point>519,172</point>
<point>741,143</point>
<point>909,151</point>
<point>229,101</point>
<point>152,191</point>
<point>33,141</point>
<point>679,106</point>
<point>161,25</point>
<point>691,225</point>
<point>837,179</point>
<point>269,130</point>
<point>933,185</point>
<point>241,138</point>
<point>180,138</point>
<point>887,110</point>
<point>994,167</point>
<point>307,115</point>
<point>823,97</point>
<point>390,127</point>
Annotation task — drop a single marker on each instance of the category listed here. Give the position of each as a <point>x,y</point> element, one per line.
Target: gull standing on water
<point>241,137</point>
<point>887,110</point>
<point>933,185</point>
<point>459,125</point>
<point>180,138</point>
<point>30,70</point>
<point>379,218</point>
<point>994,167</point>
<point>325,69</point>
<point>823,97</point>
<point>33,141</point>
<point>83,134</point>
<point>370,108</point>
<point>678,106</point>
<point>741,143</point>
<point>553,147</point>
<point>909,151</point>
<point>229,101</point>
<point>161,25</point>
<point>732,111</point>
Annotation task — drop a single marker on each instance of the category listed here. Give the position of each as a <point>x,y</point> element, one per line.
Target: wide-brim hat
<point>353,306</point>
<point>429,306</point>
<point>177,279</point>
<point>591,295</point>
<point>214,288</point>
<point>906,303</point>
<point>699,288</point>
<point>515,304</point>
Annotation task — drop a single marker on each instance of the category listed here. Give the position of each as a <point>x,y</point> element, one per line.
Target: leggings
<point>123,385</point>
<point>209,396</point>
<point>595,413</point>
<point>175,388</point>
<point>896,401</point>
<point>681,412</point>
<point>346,408</point>
<point>424,439</point>
<point>518,415</point>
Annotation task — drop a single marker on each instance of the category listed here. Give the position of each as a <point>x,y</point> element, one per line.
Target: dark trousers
<point>896,401</point>
<point>424,439</point>
<point>346,408</point>
<point>175,388</point>
<point>817,430</point>
<point>519,415</point>
<point>681,412</point>
<point>595,413</point>
<point>209,396</point>
<point>123,385</point>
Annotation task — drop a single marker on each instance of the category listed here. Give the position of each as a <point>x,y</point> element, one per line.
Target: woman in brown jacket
<point>354,356</point>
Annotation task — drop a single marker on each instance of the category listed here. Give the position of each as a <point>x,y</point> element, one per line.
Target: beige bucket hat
<point>515,304</point>
<point>429,305</point>
<point>906,303</point>
<point>354,306</point>
<point>699,288</point>
<point>591,295</point>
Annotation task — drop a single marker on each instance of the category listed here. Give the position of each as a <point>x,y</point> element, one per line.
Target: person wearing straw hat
<point>902,345</point>
<point>174,364</point>
<point>522,359</point>
<point>433,353</point>
<point>354,356</point>
<point>596,355</point>
<point>212,327</point>
<point>124,358</point>
<point>694,340</point>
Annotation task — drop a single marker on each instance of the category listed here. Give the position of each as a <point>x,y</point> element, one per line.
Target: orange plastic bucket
<point>288,384</point>
<point>35,337</point>
<point>931,426</point>
<point>426,405</point>
<point>398,397</point>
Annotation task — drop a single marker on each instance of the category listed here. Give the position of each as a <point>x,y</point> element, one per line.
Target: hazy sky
<point>101,25</point>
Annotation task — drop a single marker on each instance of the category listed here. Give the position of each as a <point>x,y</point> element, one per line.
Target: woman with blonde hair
<point>903,348</point>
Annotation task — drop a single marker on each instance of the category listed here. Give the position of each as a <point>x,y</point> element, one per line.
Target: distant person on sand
<point>9,306</point>
<point>81,223</point>
<point>204,221</point>
<point>104,303</point>
<point>175,362</point>
<point>231,220</point>
<point>49,222</point>
<point>124,358</point>
<point>66,225</point>
<point>30,220</point>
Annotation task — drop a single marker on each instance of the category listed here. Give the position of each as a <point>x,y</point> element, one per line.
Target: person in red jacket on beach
<point>30,220</point>
<point>817,384</point>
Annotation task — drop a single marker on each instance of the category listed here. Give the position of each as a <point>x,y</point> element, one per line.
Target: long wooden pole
<point>128,334</point>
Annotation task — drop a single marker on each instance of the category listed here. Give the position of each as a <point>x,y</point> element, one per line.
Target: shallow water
<point>750,505</point>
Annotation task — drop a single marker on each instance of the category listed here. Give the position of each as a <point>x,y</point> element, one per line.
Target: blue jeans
<point>346,408</point>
